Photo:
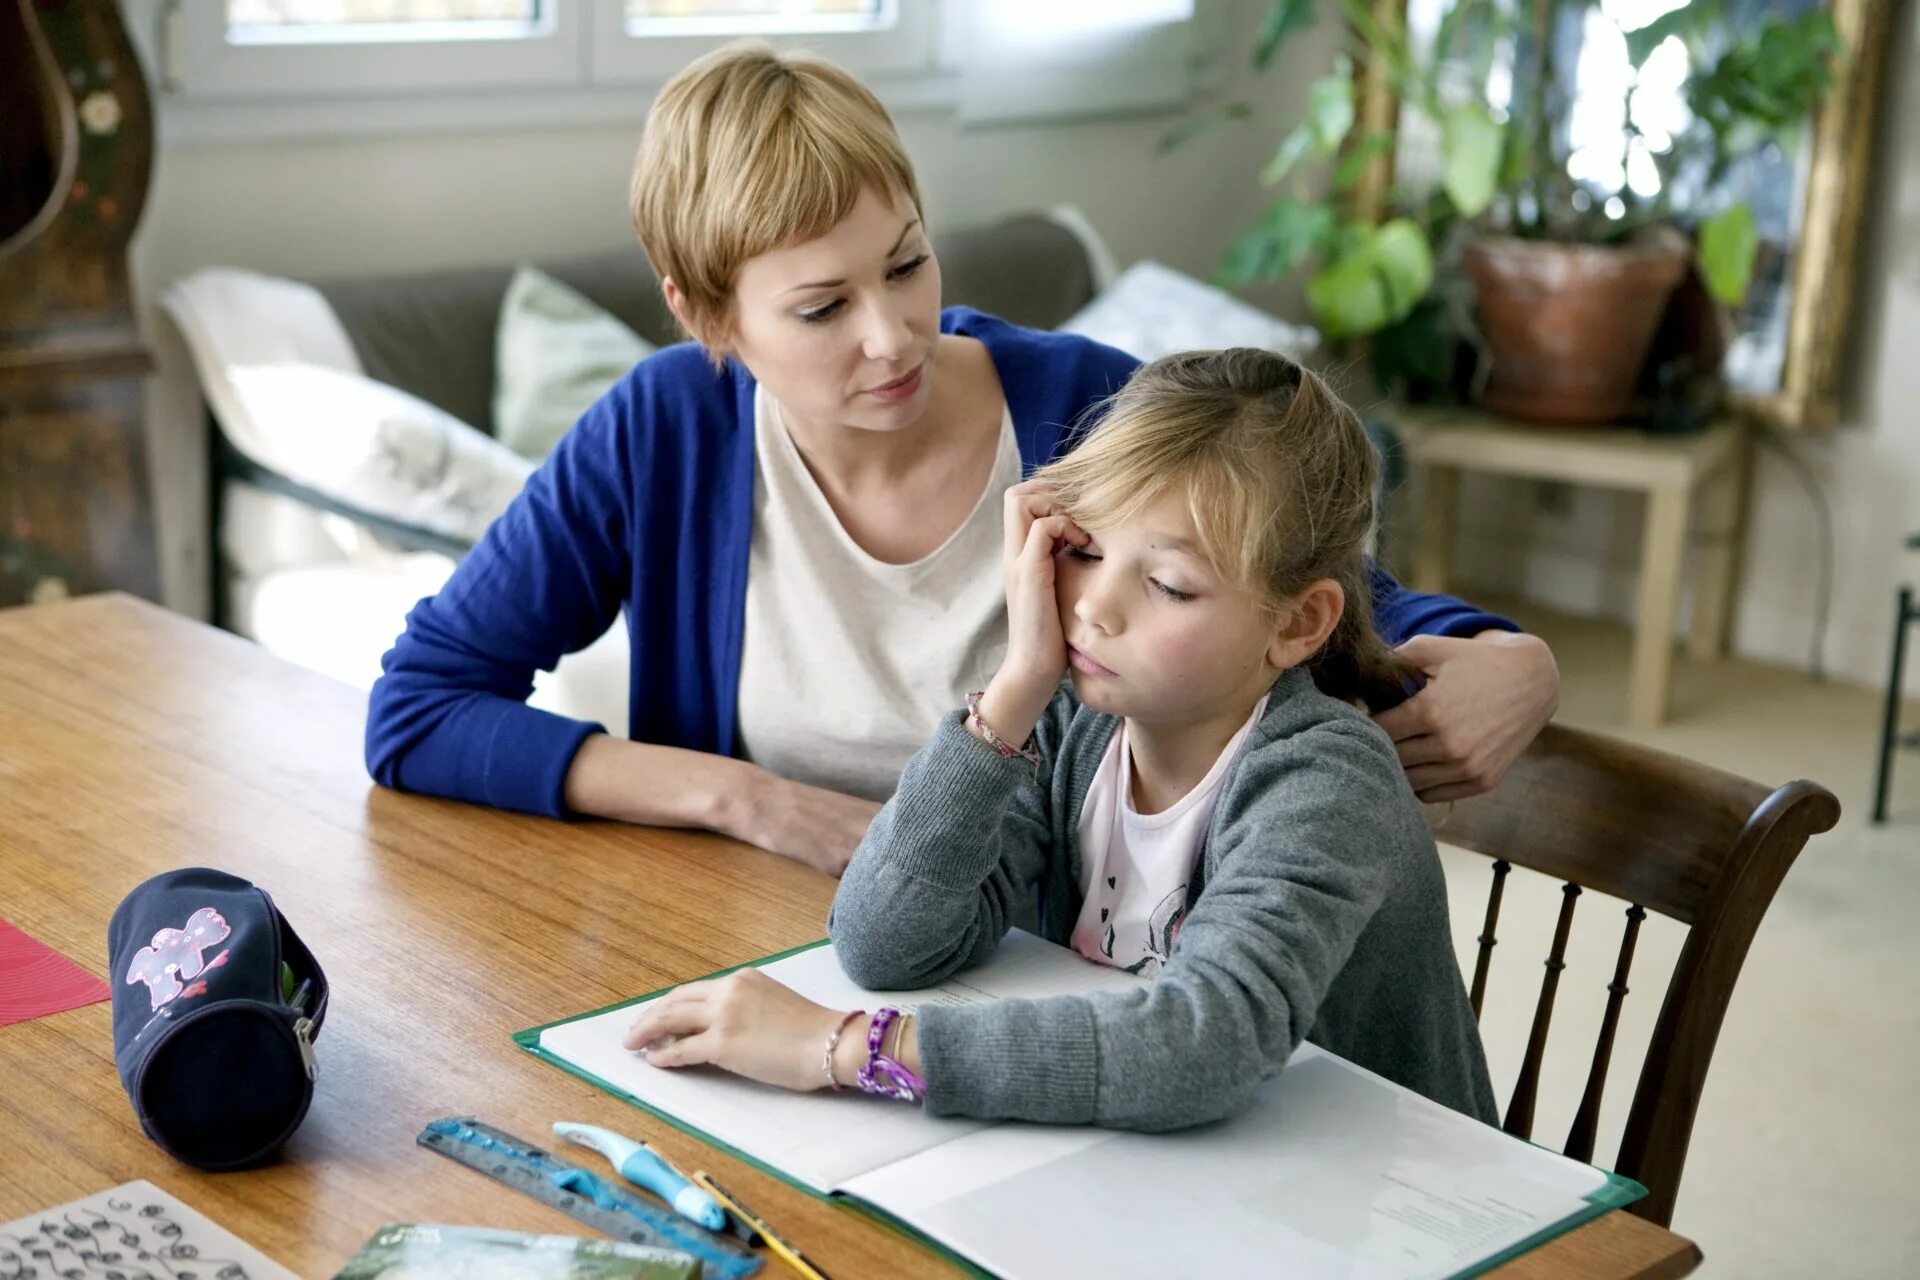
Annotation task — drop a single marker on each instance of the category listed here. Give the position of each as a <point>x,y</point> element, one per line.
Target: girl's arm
<point>1321,832</point>
<point>1317,830</point>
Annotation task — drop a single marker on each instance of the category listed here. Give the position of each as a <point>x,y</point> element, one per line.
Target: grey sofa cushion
<point>433,334</point>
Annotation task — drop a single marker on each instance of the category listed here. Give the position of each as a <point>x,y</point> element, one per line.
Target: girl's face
<point>841,330</point>
<point>1155,634</point>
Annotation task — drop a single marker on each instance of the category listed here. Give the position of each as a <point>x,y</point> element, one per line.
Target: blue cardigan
<point>646,506</point>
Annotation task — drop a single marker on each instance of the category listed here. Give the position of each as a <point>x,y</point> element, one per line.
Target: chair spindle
<point>1520,1109</point>
<point>1586,1121</point>
<point>1487,940</point>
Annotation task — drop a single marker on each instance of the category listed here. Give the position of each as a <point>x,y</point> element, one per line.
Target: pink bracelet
<point>1028,753</point>
<point>885,1076</point>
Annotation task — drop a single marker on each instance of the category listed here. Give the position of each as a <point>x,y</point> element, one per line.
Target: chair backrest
<point>1666,834</point>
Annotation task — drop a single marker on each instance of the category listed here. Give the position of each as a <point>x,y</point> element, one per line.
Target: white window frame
<point>900,45</point>
<point>585,69</point>
<point>199,57</point>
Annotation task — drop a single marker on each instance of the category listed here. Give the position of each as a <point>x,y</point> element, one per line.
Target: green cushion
<point>556,353</point>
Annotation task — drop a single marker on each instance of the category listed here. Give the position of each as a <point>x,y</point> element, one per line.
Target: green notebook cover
<point>1616,1193</point>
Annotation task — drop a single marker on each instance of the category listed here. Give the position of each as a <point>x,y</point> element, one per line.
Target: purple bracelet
<point>883,1075</point>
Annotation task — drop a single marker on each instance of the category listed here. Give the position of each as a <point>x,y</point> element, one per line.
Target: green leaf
<point>1347,298</point>
<point>1284,17</point>
<point>1405,261</point>
<point>1470,143</point>
<point>1729,243</point>
<point>1358,156</point>
<point>1189,129</point>
<point>1380,277</point>
<point>1293,148</point>
<point>1298,230</point>
<point>1330,106</point>
<point>1247,258</point>
<point>1689,20</point>
<point>1289,231</point>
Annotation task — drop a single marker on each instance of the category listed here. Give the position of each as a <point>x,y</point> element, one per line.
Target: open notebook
<point>1333,1171</point>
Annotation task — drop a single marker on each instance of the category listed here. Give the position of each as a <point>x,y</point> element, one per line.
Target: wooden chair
<point>1666,834</point>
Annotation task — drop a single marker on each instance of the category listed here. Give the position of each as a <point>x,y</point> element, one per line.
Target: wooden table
<point>133,741</point>
<point>1674,472</point>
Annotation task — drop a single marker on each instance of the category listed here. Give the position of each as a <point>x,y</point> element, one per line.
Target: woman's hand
<point>811,825</point>
<point>745,1023</point>
<point>1485,700</point>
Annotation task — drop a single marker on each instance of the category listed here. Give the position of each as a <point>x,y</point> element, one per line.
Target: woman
<point>799,512</point>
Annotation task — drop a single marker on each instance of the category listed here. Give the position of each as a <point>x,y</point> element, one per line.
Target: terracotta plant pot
<point>1567,326</point>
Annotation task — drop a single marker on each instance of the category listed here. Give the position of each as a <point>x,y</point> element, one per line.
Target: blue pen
<point>639,1165</point>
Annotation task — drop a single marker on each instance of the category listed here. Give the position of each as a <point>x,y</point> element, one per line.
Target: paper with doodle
<point>133,1232</point>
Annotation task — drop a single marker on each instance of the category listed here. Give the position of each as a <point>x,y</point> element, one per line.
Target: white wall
<point>1586,561</point>
<point>328,209</point>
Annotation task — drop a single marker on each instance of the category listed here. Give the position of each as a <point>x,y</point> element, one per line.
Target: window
<point>754,17</point>
<point>234,70</point>
<point>648,40</point>
<point>314,21</point>
<point>318,48</point>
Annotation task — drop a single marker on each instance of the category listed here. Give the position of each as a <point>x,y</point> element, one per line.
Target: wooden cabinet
<point>76,150</point>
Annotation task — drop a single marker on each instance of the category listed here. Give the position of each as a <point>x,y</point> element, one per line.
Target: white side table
<point>1672,471</point>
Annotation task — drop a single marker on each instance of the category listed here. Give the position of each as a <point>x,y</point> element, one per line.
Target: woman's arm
<point>674,787</point>
<point>449,717</point>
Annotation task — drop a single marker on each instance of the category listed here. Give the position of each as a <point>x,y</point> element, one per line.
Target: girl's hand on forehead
<point>1030,501</point>
<point>1036,649</point>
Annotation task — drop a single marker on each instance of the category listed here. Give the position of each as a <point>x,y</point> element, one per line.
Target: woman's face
<point>841,330</point>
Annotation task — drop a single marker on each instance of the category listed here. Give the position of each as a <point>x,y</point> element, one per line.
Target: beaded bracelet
<point>1028,753</point>
<point>833,1042</point>
<point>883,1075</point>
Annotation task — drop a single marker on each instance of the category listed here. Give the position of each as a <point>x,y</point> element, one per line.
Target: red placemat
<point>36,980</point>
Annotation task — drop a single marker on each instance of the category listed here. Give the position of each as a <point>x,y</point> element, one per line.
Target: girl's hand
<point>745,1023</point>
<point>1036,649</point>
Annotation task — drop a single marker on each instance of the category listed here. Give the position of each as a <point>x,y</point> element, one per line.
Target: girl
<point>1204,802</point>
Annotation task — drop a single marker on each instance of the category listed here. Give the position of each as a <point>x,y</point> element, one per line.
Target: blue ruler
<point>599,1202</point>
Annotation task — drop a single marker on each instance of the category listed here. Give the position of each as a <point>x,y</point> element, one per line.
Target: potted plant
<point>1556,283</point>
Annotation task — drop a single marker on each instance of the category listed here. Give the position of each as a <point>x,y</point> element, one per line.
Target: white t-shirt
<point>1135,868</point>
<point>847,663</point>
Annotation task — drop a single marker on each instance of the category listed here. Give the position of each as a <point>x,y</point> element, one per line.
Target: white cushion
<point>376,448</point>
<point>555,353</point>
<point>232,318</point>
<point>1153,311</point>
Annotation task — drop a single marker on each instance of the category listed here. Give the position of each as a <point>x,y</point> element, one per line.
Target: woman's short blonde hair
<point>748,149</point>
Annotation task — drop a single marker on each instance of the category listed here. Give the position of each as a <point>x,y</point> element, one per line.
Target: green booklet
<point>406,1251</point>
<point>1332,1171</point>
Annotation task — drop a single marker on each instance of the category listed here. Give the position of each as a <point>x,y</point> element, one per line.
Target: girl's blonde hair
<point>747,150</point>
<point>1278,476</point>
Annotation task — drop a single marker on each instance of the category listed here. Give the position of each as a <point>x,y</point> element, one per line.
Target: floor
<point>1806,1153</point>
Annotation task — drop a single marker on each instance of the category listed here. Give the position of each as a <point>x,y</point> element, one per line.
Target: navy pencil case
<point>216,1003</point>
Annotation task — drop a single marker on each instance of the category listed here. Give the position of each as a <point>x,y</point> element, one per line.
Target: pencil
<point>788,1254</point>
